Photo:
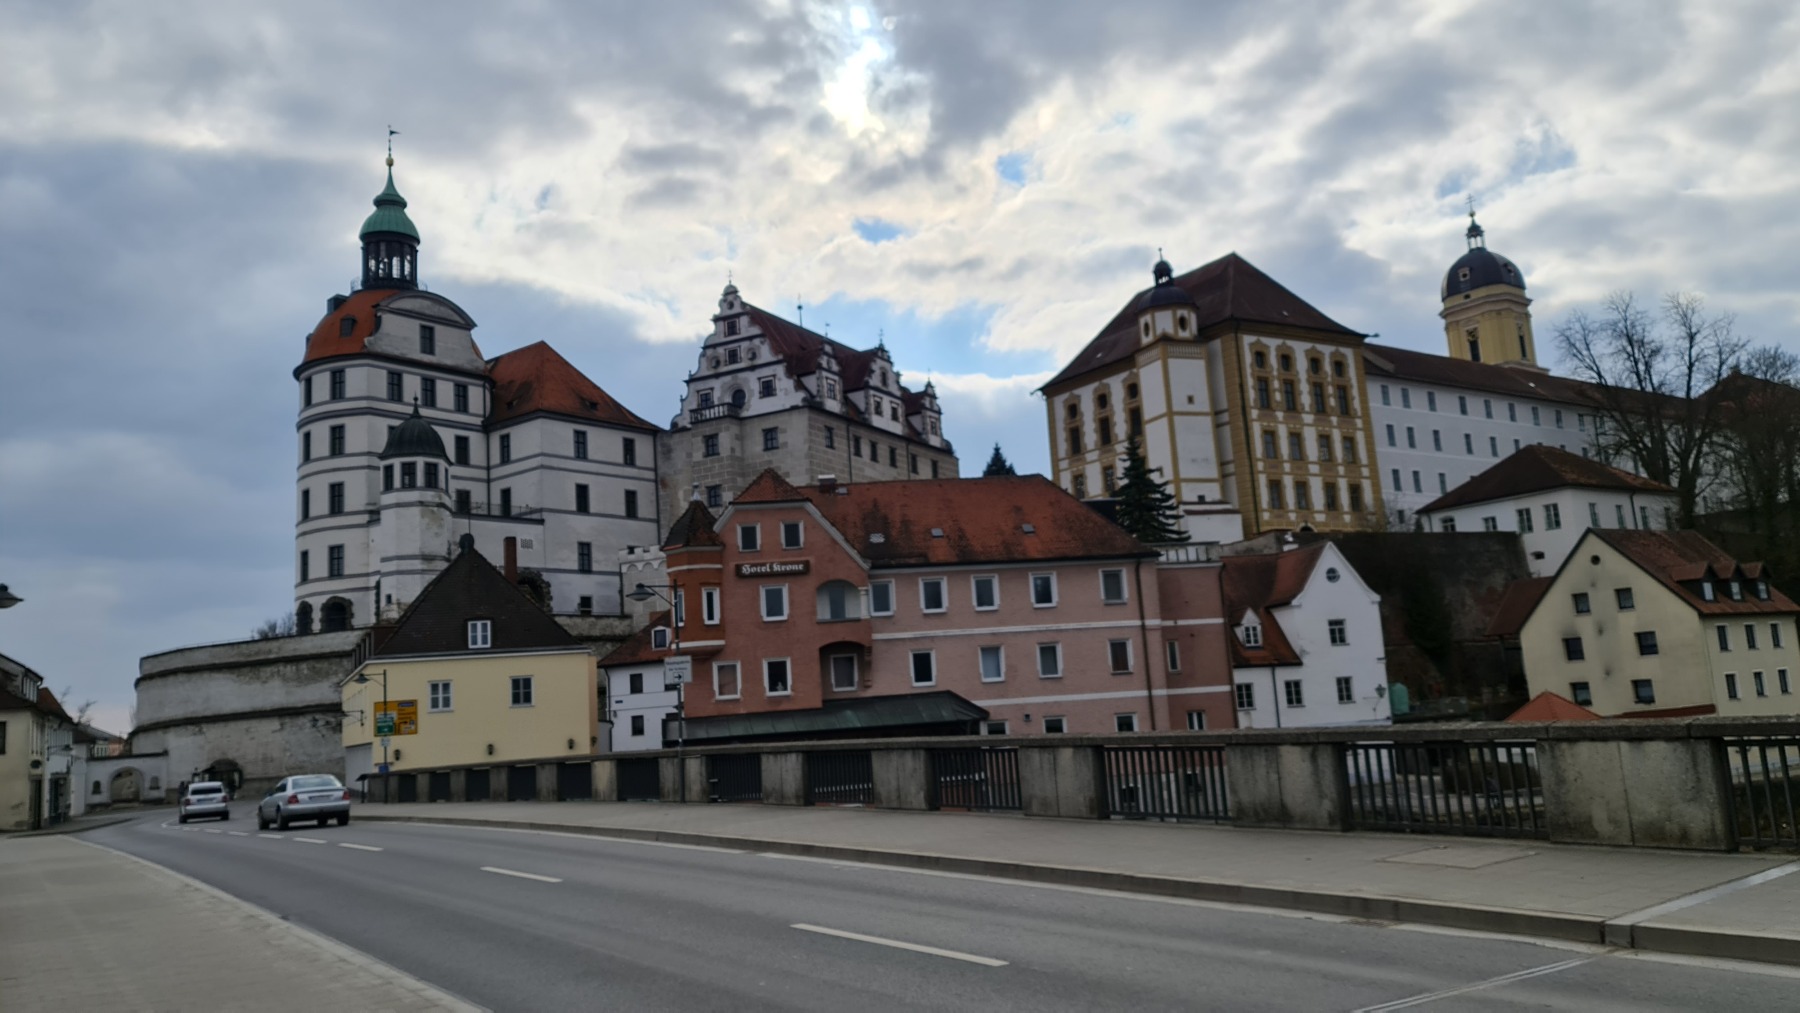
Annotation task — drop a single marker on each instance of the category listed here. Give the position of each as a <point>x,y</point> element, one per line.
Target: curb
<point>70,827</point>
<point>1577,928</point>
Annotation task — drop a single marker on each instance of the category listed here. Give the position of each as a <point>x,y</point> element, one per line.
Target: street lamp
<point>643,593</point>
<point>362,679</point>
<point>7,598</point>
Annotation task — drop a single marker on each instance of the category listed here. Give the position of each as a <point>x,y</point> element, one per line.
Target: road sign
<point>386,741</point>
<point>677,670</point>
<point>397,717</point>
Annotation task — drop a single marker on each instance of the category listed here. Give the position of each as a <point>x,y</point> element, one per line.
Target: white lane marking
<point>521,875</point>
<point>1531,972</point>
<point>1618,929</point>
<point>215,831</point>
<point>359,847</point>
<point>272,837</point>
<point>310,840</point>
<point>582,837</point>
<point>898,945</point>
<point>237,833</point>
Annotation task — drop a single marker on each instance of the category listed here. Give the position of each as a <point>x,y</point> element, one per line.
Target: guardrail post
<point>1067,781</point>
<point>497,783</point>
<point>606,780</point>
<point>784,778</point>
<point>697,786</point>
<point>459,786</point>
<point>668,778</point>
<point>546,783</point>
<point>1647,793</point>
<point>1298,785</point>
<point>902,779</point>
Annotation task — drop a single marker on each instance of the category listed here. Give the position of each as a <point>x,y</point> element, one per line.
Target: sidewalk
<point>1717,905</point>
<point>87,927</point>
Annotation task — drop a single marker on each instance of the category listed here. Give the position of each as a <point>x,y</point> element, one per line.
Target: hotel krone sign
<point>784,568</point>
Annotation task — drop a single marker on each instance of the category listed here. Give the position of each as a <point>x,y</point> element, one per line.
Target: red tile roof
<point>1512,381</point>
<point>1673,557</point>
<point>800,347</point>
<point>975,520</point>
<point>48,703</point>
<point>328,340</point>
<point>694,528</point>
<point>1228,289</point>
<point>1516,605</point>
<point>1547,706</point>
<point>536,379</point>
<point>1538,468</point>
<point>1260,583</point>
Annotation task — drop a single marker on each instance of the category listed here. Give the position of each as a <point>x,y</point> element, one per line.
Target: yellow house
<point>474,673</point>
<point>36,737</point>
<point>1662,624</point>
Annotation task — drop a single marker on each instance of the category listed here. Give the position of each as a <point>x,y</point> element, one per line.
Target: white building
<point>409,438</point>
<point>639,706</point>
<point>769,393</point>
<point>1306,644</point>
<point>1551,497</point>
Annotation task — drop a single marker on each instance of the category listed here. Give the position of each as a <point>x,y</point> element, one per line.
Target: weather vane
<point>391,133</point>
<point>1470,200</point>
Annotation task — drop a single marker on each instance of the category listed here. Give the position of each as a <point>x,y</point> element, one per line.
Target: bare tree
<point>1759,451</point>
<point>1648,374</point>
<point>78,712</point>
<point>280,626</point>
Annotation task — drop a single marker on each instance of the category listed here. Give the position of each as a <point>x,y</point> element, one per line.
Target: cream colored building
<point>1662,624</point>
<point>36,751</point>
<point>475,673</point>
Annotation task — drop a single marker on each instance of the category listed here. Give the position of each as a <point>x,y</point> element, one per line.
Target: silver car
<point>304,798</point>
<point>204,798</point>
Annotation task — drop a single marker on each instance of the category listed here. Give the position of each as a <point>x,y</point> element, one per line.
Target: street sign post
<point>678,670</point>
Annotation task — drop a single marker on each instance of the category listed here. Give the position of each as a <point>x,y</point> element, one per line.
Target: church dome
<point>1165,292</point>
<point>390,213</point>
<point>414,438</point>
<point>1480,267</point>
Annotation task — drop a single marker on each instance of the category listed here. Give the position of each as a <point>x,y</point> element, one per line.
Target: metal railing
<point>640,779</point>
<point>717,411</point>
<point>491,509</point>
<point>734,777</point>
<point>1765,790</point>
<point>984,778</point>
<point>840,778</point>
<point>1166,782</point>
<point>1478,789</point>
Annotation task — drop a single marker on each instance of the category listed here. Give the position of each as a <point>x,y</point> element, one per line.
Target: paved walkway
<point>85,927</point>
<point>1721,905</point>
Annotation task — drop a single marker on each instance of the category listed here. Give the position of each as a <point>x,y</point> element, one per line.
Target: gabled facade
<point>36,752</point>
<point>1549,496</point>
<point>491,677</point>
<point>521,445</point>
<point>997,603</point>
<point>1658,624</point>
<point>1305,640</point>
<point>1250,404</point>
<point>769,393</point>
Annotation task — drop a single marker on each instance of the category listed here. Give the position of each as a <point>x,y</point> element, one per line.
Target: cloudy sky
<point>981,183</point>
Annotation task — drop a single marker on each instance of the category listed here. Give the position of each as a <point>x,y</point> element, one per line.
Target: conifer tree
<point>997,465</point>
<point>1146,507</point>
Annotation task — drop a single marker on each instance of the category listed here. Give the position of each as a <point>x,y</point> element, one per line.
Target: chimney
<point>827,483</point>
<point>512,560</point>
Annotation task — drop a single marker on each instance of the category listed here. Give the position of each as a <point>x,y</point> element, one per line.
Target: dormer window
<point>1252,635</point>
<point>884,378</point>
<point>1462,274</point>
<point>706,399</point>
<point>1706,590</point>
<point>1131,392</point>
<point>346,327</point>
<point>1074,409</point>
<point>481,633</point>
<point>1762,590</point>
<point>1181,323</point>
<point>1737,591</point>
<point>1146,328</point>
<point>659,638</point>
<point>731,328</point>
<point>1100,401</point>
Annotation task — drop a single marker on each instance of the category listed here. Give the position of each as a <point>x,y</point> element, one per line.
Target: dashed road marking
<point>215,831</point>
<point>237,833</point>
<point>360,847</point>
<point>272,837</point>
<point>521,875</point>
<point>899,945</point>
<point>311,840</point>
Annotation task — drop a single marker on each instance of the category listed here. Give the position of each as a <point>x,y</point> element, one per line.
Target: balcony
<point>718,411</point>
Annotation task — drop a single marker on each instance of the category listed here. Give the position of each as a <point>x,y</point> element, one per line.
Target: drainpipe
<point>1275,695</point>
<point>1137,575</point>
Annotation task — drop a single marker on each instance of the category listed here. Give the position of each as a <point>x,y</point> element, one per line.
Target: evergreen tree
<point>1146,507</point>
<point>997,465</point>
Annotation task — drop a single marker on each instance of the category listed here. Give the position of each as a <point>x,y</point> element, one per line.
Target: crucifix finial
<point>1470,200</point>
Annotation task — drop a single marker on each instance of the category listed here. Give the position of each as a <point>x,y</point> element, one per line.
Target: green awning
<point>879,715</point>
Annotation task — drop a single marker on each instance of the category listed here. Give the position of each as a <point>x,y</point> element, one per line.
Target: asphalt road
<point>539,921</point>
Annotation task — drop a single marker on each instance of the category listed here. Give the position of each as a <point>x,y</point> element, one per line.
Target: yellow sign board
<point>401,716</point>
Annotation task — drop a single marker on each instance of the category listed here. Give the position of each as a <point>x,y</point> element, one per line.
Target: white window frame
<point>1033,578</point>
<point>1111,661</point>
<point>1250,634</point>
<point>1121,719</point>
<point>481,634</point>
<point>1337,631</point>
<point>659,638</point>
<point>943,595</point>
<point>1062,725</point>
<point>855,672</point>
<point>439,697</point>
<point>1056,646</point>
<point>789,691</point>
<point>762,603</point>
<point>912,671</point>
<point>890,597</point>
<point>1243,695</point>
<point>740,680</point>
<point>799,530</point>
<point>709,606</point>
<point>981,669</point>
<point>1346,682</point>
<point>993,581</point>
<point>987,728</point>
<point>1196,721</point>
<point>1291,688</point>
<point>530,691</point>
<point>1124,592</point>
<point>755,533</point>
<point>1172,653</point>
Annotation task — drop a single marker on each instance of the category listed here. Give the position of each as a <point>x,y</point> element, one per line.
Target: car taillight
<point>293,800</point>
<point>346,796</point>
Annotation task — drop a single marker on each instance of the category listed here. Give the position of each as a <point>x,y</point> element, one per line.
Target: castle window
<point>1074,409</point>
<point>628,452</point>
<point>1262,392</point>
<point>1131,392</point>
<point>581,498</point>
<point>1296,447</point>
<point>831,389</point>
<point>309,390</point>
<point>334,561</point>
<point>396,387</point>
<point>427,339</point>
<point>1343,399</point>
<point>893,458</point>
<point>765,387</point>
<point>1287,363</point>
<point>584,557</point>
<point>731,328</point>
<point>1080,486</point>
<point>346,327</point>
<point>431,475</point>
<point>1146,328</point>
<point>732,355</point>
<point>462,397</point>
<point>334,497</point>
<point>1462,274</point>
<point>715,496</point>
<point>1181,323</point>
<point>631,503</point>
<point>464,502</point>
<point>1288,399</point>
<point>337,385</point>
<point>710,445</point>
<point>306,446</point>
<point>830,437</point>
<point>581,444</point>
<point>1315,366</point>
<point>306,498</point>
<point>771,439</point>
<point>1106,432</point>
<point>1260,360</point>
<point>427,392</point>
<point>409,475</point>
<point>1337,368</point>
<point>1100,401</point>
<point>1074,439</point>
<point>462,450</point>
<point>336,441</point>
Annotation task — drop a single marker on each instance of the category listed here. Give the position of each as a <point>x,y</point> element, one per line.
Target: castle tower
<point>1487,317</point>
<point>389,240</point>
<point>411,543</point>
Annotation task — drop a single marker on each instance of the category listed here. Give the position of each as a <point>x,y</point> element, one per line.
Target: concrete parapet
<point>606,780</point>
<point>1646,792</point>
<point>1301,785</point>
<point>546,782</point>
<point>902,779</point>
<point>784,778</point>
<point>1064,781</point>
<point>668,778</point>
<point>698,790</point>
